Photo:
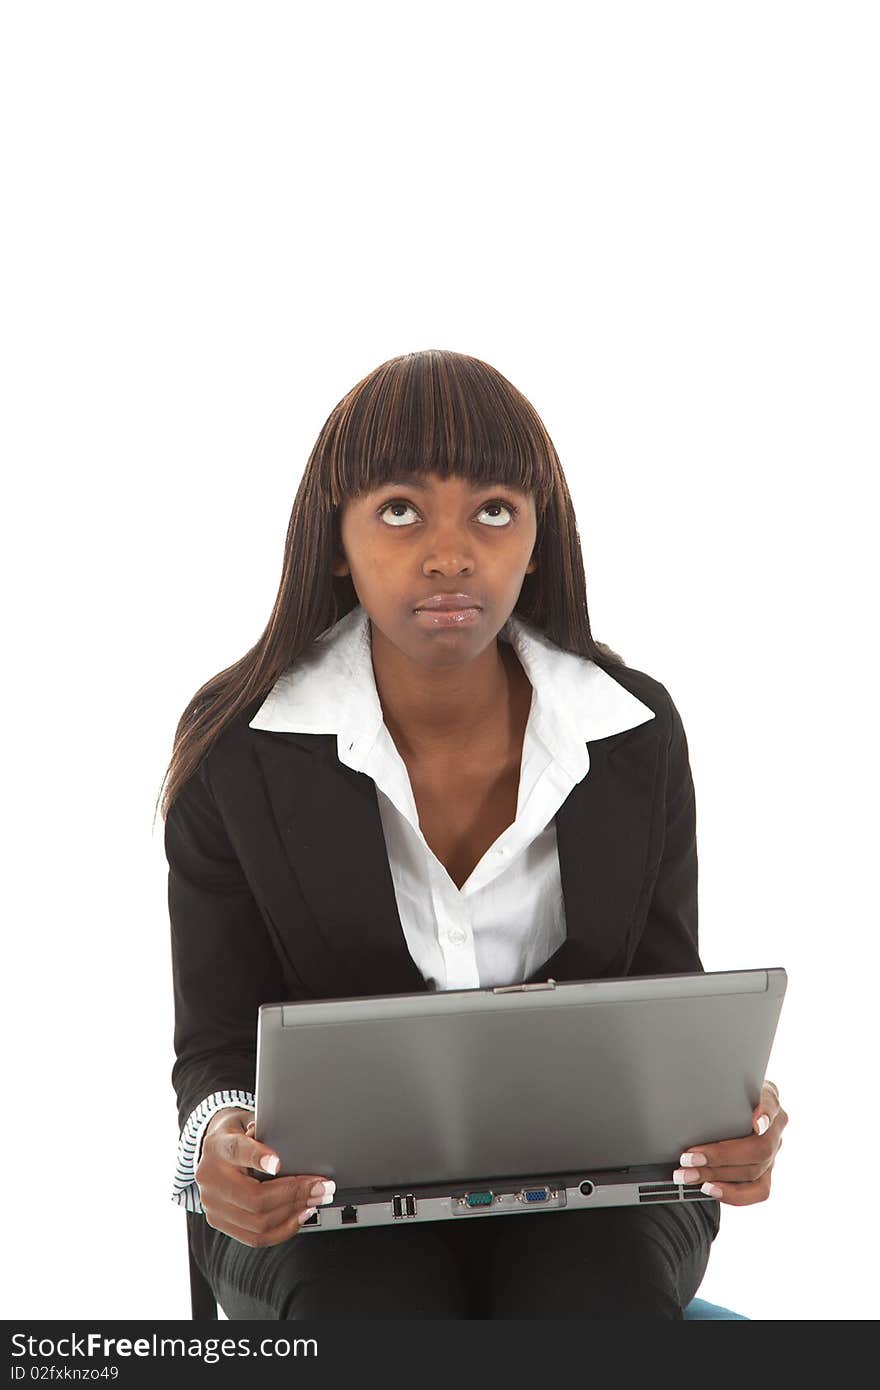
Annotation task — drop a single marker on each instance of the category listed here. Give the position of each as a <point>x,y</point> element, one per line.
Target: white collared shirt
<point>509,915</point>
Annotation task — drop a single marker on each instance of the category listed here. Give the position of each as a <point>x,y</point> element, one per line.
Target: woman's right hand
<point>252,1211</point>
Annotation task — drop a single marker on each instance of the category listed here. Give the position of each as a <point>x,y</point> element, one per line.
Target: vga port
<point>535,1194</point>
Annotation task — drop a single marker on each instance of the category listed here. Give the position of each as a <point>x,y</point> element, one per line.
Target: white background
<point>660,222</point>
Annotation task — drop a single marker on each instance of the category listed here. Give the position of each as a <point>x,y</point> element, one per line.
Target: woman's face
<point>408,541</point>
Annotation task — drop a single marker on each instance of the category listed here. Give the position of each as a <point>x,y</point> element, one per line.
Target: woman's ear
<point>532,565</point>
<point>340,565</point>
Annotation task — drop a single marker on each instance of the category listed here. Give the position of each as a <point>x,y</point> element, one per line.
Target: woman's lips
<point>445,601</point>
<point>448,617</point>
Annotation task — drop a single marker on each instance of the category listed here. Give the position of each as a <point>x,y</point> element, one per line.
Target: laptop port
<point>535,1194</point>
<point>587,1188</point>
<point>313,1220</point>
<point>349,1214</point>
<point>409,1205</point>
<point>479,1199</point>
<point>397,1206</point>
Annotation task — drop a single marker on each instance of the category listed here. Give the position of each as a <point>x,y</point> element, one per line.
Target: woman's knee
<point>380,1273</point>
<point>601,1264</point>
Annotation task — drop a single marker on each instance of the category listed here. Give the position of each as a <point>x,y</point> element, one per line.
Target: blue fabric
<point>699,1310</point>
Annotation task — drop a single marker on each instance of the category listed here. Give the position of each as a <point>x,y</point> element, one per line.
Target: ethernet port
<point>349,1214</point>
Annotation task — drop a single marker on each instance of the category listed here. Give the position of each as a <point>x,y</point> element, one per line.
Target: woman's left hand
<point>738,1170</point>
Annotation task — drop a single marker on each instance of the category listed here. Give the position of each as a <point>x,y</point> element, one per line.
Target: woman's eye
<point>397,507</point>
<point>500,520</point>
<point>400,506</point>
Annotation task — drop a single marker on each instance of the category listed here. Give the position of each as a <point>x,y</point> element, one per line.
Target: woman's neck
<point>441,713</point>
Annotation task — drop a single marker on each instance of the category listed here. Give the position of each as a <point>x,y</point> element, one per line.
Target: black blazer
<point>279,886</point>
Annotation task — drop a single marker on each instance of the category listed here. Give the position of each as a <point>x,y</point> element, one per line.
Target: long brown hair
<point>432,411</point>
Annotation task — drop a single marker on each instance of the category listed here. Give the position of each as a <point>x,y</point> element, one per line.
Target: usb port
<point>397,1206</point>
<point>410,1204</point>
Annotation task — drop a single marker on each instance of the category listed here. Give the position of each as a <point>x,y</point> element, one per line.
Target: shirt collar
<point>331,689</point>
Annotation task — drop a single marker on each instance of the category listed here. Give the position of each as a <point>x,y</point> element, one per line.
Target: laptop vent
<point>658,1192</point>
<point>668,1192</point>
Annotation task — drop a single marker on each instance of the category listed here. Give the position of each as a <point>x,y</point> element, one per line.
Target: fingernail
<point>763,1124</point>
<point>693,1160</point>
<point>324,1190</point>
<point>304,1215</point>
<point>685,1175</point>
<point>270,1163</point>
<point>710,1189</point>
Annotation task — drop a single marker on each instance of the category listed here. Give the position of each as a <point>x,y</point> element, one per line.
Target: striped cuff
<point>189,1147</point>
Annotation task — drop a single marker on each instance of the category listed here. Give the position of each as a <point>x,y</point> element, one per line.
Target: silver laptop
<point>556,1096</point>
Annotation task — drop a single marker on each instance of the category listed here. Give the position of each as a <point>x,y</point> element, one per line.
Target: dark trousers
<point>643,1261</point>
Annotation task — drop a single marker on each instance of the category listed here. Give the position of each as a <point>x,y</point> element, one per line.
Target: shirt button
<point>457,936</point>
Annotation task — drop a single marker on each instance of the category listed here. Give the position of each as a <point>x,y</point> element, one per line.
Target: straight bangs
<point>442,413</point>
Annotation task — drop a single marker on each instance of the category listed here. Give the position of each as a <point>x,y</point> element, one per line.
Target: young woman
<point>427,774</point>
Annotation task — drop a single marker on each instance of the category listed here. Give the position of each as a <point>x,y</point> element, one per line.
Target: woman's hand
<point>253,1211</point>
<point>737,1171</point>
